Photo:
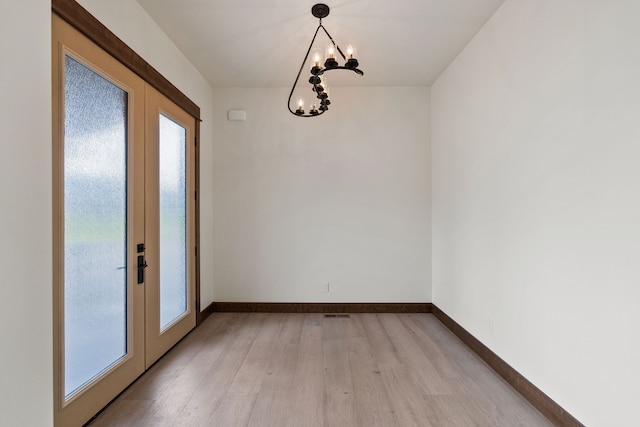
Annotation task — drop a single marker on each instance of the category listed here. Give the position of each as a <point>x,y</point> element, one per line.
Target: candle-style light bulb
<point>316,61</point>
<point>349,52</point>
<point>331,57</point>
<point>352,62</point>
<point>300,110</point>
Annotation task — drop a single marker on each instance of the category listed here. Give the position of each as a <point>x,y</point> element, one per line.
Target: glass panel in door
<point>173,221</point>
<point>95,225</point>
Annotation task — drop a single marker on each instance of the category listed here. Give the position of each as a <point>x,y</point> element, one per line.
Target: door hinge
<point>196,251</point>
<point>195,141</point>
<point>196,194</point>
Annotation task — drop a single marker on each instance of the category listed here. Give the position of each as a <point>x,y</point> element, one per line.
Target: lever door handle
<point>142,264</point>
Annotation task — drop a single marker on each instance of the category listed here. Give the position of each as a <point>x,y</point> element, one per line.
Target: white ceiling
<point>262,42</point>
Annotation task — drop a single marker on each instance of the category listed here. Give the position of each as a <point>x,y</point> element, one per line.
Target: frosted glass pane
<point>173,222</point>
<point>95,224</point>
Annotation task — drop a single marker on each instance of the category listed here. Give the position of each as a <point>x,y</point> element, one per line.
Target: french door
<point>123,211</point>
<point>169,224</point>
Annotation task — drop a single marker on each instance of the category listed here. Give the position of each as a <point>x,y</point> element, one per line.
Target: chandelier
<point>318,68</point>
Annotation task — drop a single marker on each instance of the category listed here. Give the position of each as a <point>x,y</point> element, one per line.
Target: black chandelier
<point>318,69</point>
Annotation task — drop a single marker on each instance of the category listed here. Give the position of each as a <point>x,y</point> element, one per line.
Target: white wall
<point>536,198</point>
<point>340,199</point>
<point>292,210</point>
<point>26,377</point>
<point>134,26</point>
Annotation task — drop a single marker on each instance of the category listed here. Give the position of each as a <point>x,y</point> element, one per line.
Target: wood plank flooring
<point>271,369</point>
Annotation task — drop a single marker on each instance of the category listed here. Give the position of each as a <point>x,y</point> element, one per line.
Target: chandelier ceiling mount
<point>320,10</point>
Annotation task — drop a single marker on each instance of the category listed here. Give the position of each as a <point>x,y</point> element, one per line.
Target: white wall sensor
<point>235,115</point>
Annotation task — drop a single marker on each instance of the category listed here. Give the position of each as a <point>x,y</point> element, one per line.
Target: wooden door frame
<point>79,18</point>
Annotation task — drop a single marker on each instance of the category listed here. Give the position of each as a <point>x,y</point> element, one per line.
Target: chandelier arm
<point>304,61</point>
<point>333,42</point>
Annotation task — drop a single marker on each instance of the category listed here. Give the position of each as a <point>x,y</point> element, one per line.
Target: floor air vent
<point>342,316</point>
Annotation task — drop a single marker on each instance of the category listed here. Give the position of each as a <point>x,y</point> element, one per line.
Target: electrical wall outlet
<point>326,287</point>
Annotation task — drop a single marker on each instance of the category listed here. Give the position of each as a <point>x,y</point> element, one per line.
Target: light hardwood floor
<point>266,369</point>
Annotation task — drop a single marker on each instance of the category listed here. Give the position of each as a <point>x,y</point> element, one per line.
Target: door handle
<point>142,264</point>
